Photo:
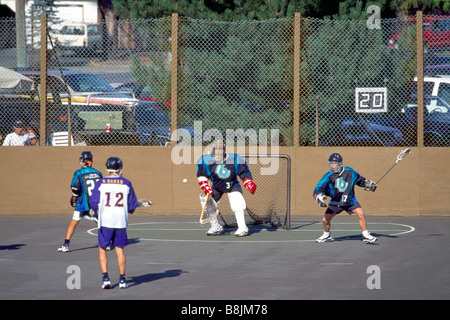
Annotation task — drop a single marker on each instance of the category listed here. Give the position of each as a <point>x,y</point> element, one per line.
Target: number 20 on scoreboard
<point>370,100</point>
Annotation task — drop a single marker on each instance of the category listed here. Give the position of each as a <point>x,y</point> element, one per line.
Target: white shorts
<point>77,215</point>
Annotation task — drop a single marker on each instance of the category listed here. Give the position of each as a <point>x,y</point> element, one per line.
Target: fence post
<point>174,76</point>
<point>43,93</point>
<point>420,106</point>
<point>296,113</point>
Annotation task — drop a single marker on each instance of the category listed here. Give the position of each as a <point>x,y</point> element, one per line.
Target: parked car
<point>362,133</point>
<point>436,33</point>
<point>84,87</point>
<point>434,70</point>
<point>436,121</point>
<point>131,121</point>
<point>79,37</point>
<point>438,85</point>
<point>139,91</point>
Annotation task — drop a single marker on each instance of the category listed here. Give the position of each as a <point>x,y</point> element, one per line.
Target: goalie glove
<point>320,199</point>
<point>250,185</point>
<point>203,182</point>
<point>370,185</point>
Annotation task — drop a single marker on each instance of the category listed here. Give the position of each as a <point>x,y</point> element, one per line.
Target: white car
<point>79,37</point>
<point>436,86</point>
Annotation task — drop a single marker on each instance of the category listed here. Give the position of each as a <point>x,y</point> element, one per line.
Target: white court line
<point>216,239</point>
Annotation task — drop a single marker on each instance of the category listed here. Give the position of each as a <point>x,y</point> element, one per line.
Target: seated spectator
<point>17,138</point>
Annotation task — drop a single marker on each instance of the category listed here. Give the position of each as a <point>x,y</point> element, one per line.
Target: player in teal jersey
<point>339,184</point>
<point>82,184</point>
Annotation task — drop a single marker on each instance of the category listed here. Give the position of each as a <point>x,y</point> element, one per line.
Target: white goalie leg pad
<point>237,201</point>
<point>216,227</point>
<point>238,205</point>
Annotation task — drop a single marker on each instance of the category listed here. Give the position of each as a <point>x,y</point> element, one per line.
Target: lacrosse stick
<point>400,157</point>
<point>144,203</point>
<point>209,210</point>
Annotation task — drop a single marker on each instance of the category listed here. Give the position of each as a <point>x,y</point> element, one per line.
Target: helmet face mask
<point>219,151</point>
<point>335,163</point>
<point>114,165</point>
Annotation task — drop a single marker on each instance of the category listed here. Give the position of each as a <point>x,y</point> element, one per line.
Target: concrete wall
<point>36,180</point>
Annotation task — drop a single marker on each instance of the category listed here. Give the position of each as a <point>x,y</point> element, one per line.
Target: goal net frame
<point>270,204</point>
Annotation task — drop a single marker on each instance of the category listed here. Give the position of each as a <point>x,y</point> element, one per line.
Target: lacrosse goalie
<point>339,184</point>
<point>223,169</point>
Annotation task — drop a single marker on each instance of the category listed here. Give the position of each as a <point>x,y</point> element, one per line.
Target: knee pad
<point>237,201</point>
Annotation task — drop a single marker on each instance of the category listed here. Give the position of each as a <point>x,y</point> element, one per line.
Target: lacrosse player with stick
<point>223,169</point>
<point>83,182</point>
<point>113,198</point>
<point>339,184</point>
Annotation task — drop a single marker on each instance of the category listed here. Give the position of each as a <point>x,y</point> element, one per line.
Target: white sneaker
<point>64,248</point>
<point>368,238</point>
<point>106,283</point>
<point>241,232</point>
<point>123,284</point>
<point>214,230</point>
<point>325,238</point>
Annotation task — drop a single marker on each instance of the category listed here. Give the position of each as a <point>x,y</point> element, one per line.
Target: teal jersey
<point>340,187</point>
<point>223,175</point>
<point>84,180</point>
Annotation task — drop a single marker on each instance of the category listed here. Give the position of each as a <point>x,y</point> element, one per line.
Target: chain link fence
<point>113,84</point>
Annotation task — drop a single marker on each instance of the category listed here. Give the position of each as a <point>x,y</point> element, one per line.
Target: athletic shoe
<point>324,238</point>
<point>214,231</point>
<point>241,232</point>
<point>123,284</point>
<point>106,283</point>
<point>368,238</point>
<point>64,248</point>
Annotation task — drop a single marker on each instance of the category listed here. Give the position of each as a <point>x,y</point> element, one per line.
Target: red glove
<point>250,185</point>
<point>205,187</point>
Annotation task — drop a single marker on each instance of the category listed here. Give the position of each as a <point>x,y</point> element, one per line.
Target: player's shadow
<point>130,242</point>
<point>11,247</point>
<point>359,237</point>
<point>150,277</point>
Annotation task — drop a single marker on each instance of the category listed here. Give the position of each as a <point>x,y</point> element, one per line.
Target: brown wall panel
<point>36,180</point>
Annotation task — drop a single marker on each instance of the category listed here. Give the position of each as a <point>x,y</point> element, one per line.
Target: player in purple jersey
<point>223,169</point>
<point>113,198</point>
<point>339,184</point>
<point>83,182</point>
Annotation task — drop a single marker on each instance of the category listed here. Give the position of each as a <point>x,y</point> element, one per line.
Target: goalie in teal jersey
<point>339,184</point>
<point>223,170</point>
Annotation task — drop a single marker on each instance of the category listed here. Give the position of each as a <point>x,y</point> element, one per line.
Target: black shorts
<point>218,194</point>
<point>339,209</point>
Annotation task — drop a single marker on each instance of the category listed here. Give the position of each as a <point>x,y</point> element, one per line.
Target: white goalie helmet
<point>219,151</point>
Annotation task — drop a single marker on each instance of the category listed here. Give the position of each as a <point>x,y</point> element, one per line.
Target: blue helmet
<point>114,164</point>
<point>335,158</point>
<point>86,156</point>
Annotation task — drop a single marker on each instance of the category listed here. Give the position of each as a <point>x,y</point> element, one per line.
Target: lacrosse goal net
<point>270,204</point>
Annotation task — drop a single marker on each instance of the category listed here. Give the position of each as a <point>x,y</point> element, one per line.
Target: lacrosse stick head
<point>403,154</point>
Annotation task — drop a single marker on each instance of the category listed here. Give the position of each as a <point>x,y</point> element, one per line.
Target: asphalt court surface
<point>171,258</point>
